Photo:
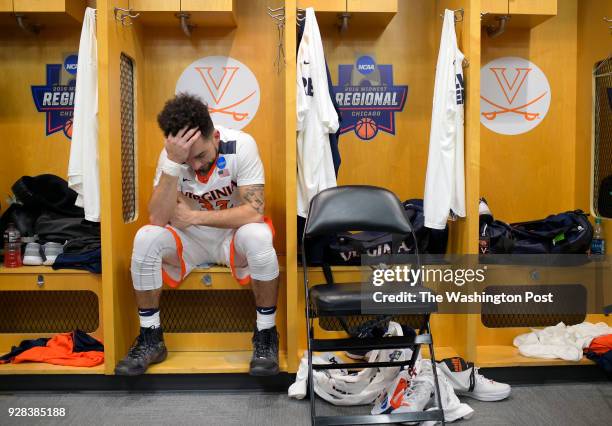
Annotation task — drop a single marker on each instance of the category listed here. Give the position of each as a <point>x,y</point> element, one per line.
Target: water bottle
<point>12,247</point>
<point>598,244</point>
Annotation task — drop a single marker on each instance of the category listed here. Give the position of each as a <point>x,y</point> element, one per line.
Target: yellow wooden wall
<point>410,43</point>
<point>546,170</point>
<point>253,42</point>
<point>398,161</point>
<point>528,176</point>
<point>26,150</point>
<point>119,314</point>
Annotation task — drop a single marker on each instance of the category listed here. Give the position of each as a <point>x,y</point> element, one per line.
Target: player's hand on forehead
<point>186,132</point>
<point>179,145</point>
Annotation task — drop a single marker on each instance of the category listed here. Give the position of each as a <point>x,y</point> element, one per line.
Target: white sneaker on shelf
<point>52,250</point>
<point>32,256</point>
<point>467,381</point>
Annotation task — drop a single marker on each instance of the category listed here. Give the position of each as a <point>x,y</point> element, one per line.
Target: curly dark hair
<point>185,110</point>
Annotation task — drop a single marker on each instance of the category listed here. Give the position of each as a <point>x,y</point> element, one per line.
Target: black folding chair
<point>360,208</point>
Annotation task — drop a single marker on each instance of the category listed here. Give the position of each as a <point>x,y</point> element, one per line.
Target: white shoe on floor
<point>31,256</point>
<point>466,381</point>
<point>391,397</point>
<point>416,397</point>
<point>52,250</point>
<point>451,406</point>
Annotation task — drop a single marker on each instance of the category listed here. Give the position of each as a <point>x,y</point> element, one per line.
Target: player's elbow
<point>257,217</point>
<point>157,220</point>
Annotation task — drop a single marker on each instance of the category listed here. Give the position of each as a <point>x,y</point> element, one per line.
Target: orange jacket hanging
<point>59,351</point>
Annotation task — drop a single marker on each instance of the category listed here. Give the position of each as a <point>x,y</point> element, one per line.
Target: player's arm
<point>250,210</point>
<point>164,198</point>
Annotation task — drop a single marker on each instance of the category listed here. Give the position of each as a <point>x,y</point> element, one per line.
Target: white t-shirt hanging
<point>316,118</point>
<point>83,168</point>
<point>445,178</point>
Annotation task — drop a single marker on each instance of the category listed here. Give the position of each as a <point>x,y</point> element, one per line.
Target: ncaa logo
<point>514,95</point>
<point>221,163</point>
<point>366,65</point>
<point>226,85</point>
<point>70,64</point>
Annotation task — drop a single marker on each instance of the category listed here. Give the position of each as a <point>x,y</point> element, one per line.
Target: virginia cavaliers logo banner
<point>56,97</point>
<point>514,95</point>
<point>367,98</point>
<point>228,87</point>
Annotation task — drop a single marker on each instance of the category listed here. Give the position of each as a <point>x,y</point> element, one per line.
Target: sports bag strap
<point>327,272</point>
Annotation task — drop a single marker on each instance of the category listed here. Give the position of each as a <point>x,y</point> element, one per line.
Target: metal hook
<point>125,16</point>
<point>278,15</point>
<point>280,57</point>
<point>459,11</point>
<point>608,20</point>
<point>343,21</point>
<point>27,26</point>
<point>186,26</point>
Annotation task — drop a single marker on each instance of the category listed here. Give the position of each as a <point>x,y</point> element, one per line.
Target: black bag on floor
<point>563,233</point>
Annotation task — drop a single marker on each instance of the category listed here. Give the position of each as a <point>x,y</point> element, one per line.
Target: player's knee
<point>255,235</point>
<point>255,241</point>
<point>147,236</point>
<point>147,257</point>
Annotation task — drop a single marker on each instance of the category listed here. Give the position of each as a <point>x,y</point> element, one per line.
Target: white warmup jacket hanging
<point>445,180</point>
<point>316,118</point>
<point>83,169</point>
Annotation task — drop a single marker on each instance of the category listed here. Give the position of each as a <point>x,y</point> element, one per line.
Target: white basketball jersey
<point>238,164</point>
<point>83,167</point>
<point>316,118</point>
<point>445,180</point>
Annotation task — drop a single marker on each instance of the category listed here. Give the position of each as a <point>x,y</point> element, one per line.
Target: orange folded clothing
<point>59,351</point>
<point>600,345</point>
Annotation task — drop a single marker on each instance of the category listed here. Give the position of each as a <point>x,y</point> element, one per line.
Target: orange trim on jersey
<point>246,280</point>
<point>179,252</point>
<point>204,179</point>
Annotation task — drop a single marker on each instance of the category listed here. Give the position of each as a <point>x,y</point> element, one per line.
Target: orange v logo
<point>217,89</point>
<point>510,89</point>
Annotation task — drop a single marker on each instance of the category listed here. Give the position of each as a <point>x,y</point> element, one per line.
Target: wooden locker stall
<point>37,301</point>
<point>594,46</point>
<point>546,169</point>
<point>209,320</point>
<point>405,34</point>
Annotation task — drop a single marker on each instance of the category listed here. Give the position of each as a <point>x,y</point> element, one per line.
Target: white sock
<point>149,318</point>
<point>266,318</point>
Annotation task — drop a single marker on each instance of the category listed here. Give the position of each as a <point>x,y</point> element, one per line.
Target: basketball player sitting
<point>207,207</point>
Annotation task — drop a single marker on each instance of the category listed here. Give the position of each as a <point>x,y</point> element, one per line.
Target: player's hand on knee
<point>183,216</point>
<point>178,146</point>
